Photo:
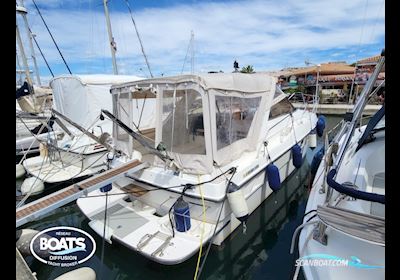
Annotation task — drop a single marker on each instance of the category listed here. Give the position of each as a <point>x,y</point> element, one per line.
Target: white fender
<point>312,140</point>
<point>24,241</point>
<point>238,204</point>
<point>136,155</point>
<point>19,170</point>
<point>32,184</point>
<point>83,273</point>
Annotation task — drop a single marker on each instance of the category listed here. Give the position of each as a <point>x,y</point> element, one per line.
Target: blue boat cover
<point>353,192</point>
<point>370,126</point>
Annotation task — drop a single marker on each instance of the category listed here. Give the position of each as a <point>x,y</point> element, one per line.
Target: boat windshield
<point>281,108</point>
<point>183,125</point>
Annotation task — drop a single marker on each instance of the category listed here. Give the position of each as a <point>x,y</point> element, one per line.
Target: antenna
<point>191,49</point>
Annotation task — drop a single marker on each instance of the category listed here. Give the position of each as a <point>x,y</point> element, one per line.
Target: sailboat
<point>72,154</point>
<point>76,153</point>
<point>344,223</point>
<point>32,99</point>
<point>30,129</point>
<point>223,143</point>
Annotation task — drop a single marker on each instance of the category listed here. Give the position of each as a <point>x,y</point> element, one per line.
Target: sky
<point>269,35</point>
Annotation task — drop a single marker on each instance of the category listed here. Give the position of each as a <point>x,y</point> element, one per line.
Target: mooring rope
<point>215,228</point>
<point>104,234</point>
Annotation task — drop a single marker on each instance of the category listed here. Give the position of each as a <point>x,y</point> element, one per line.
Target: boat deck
<point>365,227</point>
<point>134,190</point>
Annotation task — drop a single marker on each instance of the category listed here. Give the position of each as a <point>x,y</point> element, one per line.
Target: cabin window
<point>182,125</point>
<point>234,116</point>
<point>282,107</point>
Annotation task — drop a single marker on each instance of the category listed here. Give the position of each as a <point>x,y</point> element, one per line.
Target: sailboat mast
<point>111,38</point>
<point>19,67</point>
<point>192,53</point>
<point>23,12</point>
<point>21,49</point>
<point>32,49</point>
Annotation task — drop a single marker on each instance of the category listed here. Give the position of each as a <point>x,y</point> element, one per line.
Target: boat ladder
<point>160,235</point>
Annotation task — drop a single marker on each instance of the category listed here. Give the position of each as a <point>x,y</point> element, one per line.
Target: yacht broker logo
<point>330,260</point>
<point>63,246</point>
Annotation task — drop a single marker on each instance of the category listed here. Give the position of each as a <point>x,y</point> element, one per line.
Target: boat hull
<point>362,259</point>
<point>146,217</point>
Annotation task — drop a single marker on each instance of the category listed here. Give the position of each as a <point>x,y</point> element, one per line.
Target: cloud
<point>266,34</point>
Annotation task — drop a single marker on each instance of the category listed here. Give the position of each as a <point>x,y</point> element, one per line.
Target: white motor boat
<point>223,142</point>
<point>343,231</point>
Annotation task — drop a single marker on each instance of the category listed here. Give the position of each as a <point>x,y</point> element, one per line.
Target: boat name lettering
<point>250,171</point>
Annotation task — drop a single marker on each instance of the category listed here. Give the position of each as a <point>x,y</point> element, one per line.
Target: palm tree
<point>247,69</point>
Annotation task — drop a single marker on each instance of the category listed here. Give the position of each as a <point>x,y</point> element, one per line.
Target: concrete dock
<point>338,109</point>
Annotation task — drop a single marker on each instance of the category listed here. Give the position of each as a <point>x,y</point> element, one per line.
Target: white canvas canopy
<point>81,97</point>
<point>208,118</point>
<point>246,83</point>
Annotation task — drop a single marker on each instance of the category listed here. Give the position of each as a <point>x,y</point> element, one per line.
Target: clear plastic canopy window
<point>234,116</point>
<point>183,125</point>
<point>205,119</point>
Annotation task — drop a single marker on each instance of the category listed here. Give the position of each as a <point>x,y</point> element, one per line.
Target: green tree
<point>247,69</point>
